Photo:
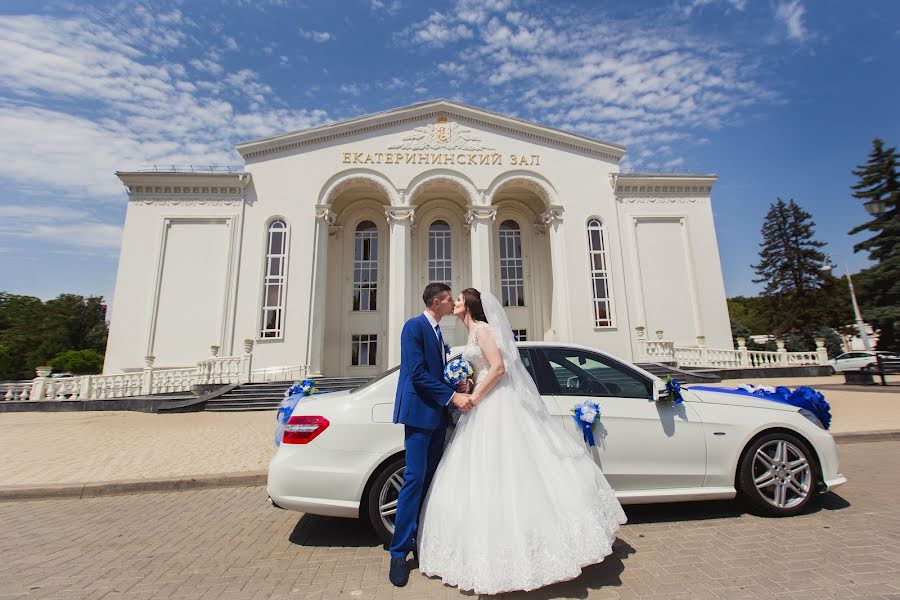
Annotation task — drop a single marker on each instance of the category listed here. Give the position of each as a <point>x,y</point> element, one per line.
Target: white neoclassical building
<point>319,250</point>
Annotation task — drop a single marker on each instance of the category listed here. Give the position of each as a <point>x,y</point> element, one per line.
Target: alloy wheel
<point>782,474</point>
<point>387,498</point>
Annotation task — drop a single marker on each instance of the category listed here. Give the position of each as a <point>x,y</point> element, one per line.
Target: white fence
<point>216,370</point>
<point>660,350</point>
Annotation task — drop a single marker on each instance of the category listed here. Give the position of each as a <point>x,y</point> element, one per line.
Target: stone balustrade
<point>216,370</point>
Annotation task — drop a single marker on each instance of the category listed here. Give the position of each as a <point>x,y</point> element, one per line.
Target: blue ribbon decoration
<point>803,397</point>
<point>587,427</point>
<point>673,390</point>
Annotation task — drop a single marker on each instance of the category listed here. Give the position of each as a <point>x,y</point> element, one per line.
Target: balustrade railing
<point>216,370</point>
<point>660,350</point>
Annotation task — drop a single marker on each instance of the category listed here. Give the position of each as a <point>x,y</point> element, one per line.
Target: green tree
<point>32,331</point>
<point>80,362</point>
<point>790,266</point>
<point>879,183</point>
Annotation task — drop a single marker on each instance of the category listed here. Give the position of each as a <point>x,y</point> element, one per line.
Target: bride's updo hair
<point>472,300</point>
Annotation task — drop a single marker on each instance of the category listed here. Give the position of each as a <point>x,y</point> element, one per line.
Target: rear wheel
<point>778,474</point>
<point>382,500</point>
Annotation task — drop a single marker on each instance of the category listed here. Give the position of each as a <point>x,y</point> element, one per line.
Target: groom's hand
<point>461,401</point>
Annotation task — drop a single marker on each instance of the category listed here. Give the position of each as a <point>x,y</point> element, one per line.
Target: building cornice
<point>638,183</point>
<point>426,110</point>
<point>185,189</point>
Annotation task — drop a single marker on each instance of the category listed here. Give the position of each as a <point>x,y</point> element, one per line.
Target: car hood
<point>710,397</point>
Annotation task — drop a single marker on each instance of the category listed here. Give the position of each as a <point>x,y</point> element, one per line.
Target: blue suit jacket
<point>422,394</point>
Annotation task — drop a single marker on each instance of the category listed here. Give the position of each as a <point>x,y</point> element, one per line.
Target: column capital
<point>400,213</point>
<point>324,212</point>
<point>553,214</point>
<point>481,213</point>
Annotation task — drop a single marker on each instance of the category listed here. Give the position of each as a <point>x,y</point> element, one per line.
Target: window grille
<point>365,267</point>
<point>440,269</point>
<point>273,281</point>
<point>599,274</point>
<point>364,349</point>
<point>512,269</point>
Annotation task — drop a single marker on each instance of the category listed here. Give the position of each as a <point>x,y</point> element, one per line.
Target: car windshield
<point>374,380</point>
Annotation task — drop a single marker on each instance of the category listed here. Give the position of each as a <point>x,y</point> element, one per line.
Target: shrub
<point>80,362</point>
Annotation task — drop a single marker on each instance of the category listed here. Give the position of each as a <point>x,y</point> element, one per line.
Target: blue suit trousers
<point>424,448</point>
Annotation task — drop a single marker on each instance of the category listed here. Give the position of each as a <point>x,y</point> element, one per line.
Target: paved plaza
<point>230,544</point>
<point>75,448</point>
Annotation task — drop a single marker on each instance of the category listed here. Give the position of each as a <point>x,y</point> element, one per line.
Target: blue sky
<point>777,97</point>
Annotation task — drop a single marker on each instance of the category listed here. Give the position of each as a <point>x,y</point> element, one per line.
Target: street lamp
<point>860,324</point>
<point>875,207</point>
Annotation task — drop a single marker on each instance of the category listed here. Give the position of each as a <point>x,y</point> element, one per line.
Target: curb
<point>201,482</point>
<point>133,486</point>
<point>856,437</point>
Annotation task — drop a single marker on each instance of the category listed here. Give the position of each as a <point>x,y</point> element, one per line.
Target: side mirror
<point>659,390</point>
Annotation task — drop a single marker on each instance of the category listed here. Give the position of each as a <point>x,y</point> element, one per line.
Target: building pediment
<point>451,130</point>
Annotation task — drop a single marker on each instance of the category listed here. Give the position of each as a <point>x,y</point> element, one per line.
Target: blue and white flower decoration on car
<point>673,390</point>
<point>587,415</point>
<point>812,404</point>
<point>292,396</point>
<point>457,371</point>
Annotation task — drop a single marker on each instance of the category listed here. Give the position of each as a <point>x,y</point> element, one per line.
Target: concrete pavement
<point>229,544</point>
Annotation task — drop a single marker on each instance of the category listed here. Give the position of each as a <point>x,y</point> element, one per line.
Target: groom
<point>421,405</point>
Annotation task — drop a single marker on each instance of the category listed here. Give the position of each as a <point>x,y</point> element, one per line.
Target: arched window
<point>599,274</point>
<point>439,253</point>
<point>274,280</point>
<point>365,266</point>
<point>512,270</point>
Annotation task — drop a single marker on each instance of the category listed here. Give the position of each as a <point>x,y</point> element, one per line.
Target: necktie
<point>437,329</point>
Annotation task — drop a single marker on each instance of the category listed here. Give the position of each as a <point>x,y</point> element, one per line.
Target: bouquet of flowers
<point>673,390</point>
<point>586,416</point>
<point>457,371</point>
<point>292,395</point>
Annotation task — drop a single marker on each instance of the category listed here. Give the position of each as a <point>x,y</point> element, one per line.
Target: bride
<point>516,502</point>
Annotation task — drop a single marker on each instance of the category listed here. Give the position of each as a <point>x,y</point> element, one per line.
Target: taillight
<point>303,429</point>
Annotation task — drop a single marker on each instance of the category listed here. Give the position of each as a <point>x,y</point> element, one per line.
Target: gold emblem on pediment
<point>442,135</point>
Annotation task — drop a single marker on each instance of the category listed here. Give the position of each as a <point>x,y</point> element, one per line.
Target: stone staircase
<point>681,375</point>
<point>267,396</point>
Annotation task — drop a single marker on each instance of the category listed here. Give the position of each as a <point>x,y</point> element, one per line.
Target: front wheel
<point>382,500</point>
<point>778,475</point>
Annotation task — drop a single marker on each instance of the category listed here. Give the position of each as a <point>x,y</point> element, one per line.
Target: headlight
<point>811,417</point>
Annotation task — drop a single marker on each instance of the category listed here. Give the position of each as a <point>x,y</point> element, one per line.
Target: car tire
<point>383,492</point>
<point>778,475</point>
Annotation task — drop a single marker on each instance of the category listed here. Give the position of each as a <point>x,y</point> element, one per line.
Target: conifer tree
<point>790,266</point>
<point>880,284</point>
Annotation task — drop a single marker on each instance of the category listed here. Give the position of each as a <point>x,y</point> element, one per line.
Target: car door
<point>641,444</point>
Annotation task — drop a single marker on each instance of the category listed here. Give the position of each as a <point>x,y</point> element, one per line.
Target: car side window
<point>529,364</point>
<point>581,373</point>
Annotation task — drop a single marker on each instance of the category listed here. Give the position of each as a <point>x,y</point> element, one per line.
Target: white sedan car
<point>342,456</point>
<point>854,361</point>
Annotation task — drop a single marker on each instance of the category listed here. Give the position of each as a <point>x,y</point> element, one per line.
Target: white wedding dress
<point>516,502</point>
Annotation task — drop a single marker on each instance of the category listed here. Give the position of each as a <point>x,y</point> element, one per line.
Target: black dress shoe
<point>399,574</point>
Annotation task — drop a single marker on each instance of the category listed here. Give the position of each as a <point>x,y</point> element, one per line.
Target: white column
<point>479,219</point>
<point>559,313</point>
<point>315,346</point>
<point>400,219</point>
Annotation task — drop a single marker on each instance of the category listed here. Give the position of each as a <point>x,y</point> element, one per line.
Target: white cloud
<point>391,6</point>
<point>316,36</point>
<point>82,100</point>
<point>791,14</point>
<point>692,5</point>
<point>642,82</point>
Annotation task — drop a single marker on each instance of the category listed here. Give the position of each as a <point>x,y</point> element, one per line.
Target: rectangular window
<point>439,254</point>
<point>273,282</point>
<point>521,335</point>
<point>365,270</point>
<point>599,275</point>
<point>512,268</point>
<point>363,350</point>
